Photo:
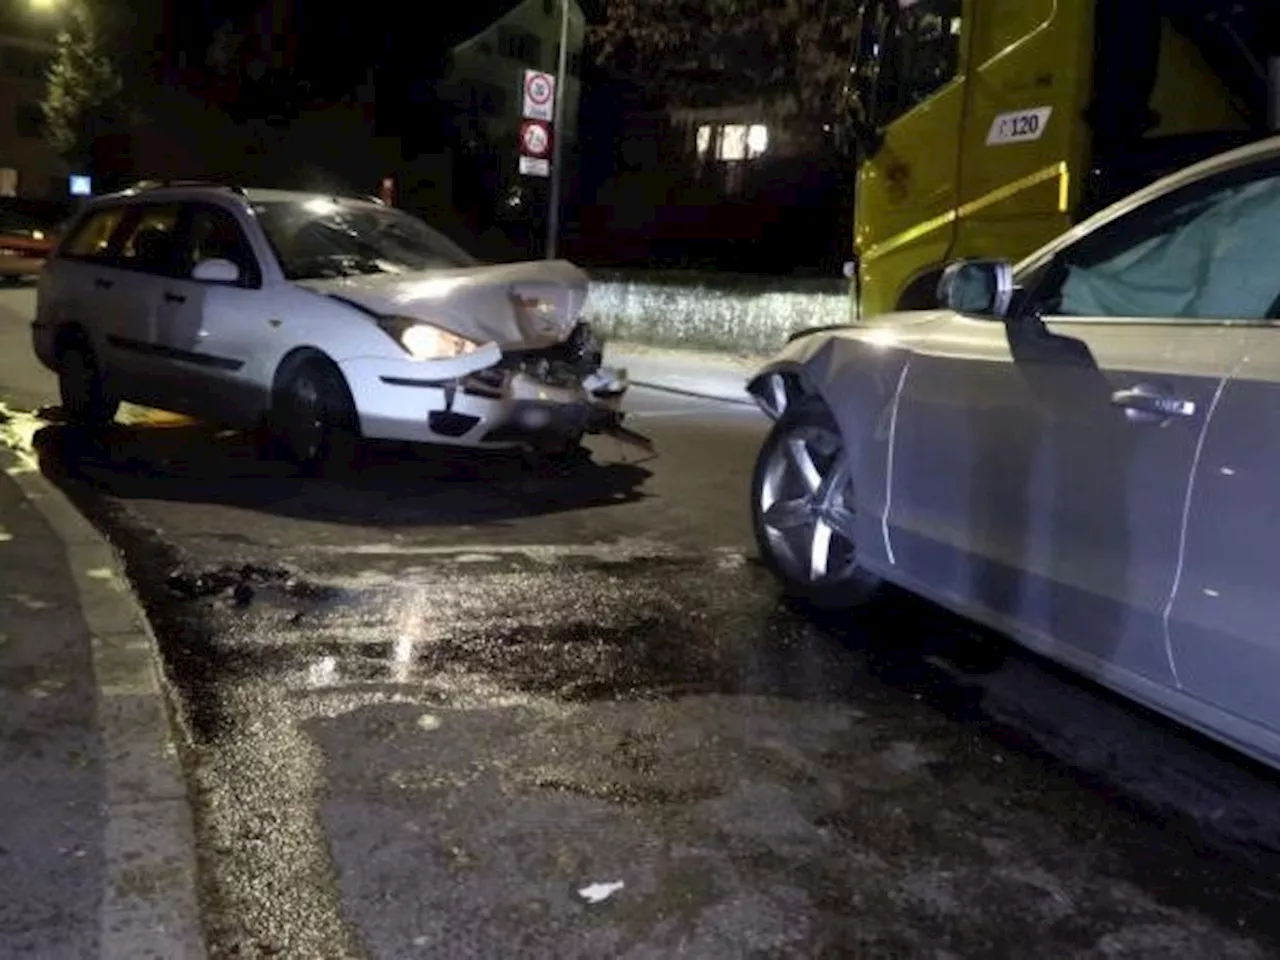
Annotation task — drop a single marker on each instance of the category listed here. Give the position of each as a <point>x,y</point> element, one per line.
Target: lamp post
<point>553,211</point>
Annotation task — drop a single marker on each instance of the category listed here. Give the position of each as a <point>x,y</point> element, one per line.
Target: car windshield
<point>319,239</point>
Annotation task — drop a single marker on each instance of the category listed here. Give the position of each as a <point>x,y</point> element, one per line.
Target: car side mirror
<point>216,271</point>
<point>977,287</point>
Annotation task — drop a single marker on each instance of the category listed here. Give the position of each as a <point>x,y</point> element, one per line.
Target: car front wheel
<point>84,397</point>
<point>803,510</point>
<point>314,419</point>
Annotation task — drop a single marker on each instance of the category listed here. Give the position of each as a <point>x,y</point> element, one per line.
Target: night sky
<point>343,38</point>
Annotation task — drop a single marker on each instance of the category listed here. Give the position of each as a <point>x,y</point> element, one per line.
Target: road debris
<point>600,892</point>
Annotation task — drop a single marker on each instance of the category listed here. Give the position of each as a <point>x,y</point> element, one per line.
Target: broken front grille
<point>579,355</point>
<point>562,365</point>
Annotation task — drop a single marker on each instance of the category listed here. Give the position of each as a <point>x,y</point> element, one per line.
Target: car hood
<point>906,318</point>
<point>526,305</point>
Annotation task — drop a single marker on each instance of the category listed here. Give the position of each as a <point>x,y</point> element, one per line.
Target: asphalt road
<point>428,711</point>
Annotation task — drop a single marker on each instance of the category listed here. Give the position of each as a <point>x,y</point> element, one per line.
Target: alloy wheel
<point>806,506</point>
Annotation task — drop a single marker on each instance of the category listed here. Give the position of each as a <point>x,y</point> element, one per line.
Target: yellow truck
<point>987,127</point>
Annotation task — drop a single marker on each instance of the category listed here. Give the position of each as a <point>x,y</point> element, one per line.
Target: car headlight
<point>424,341</point>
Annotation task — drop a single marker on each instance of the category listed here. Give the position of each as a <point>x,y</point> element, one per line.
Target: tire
<point>799,514</point>
<point>314,421</point>
<point>83,393</point>
<point>567,453</point>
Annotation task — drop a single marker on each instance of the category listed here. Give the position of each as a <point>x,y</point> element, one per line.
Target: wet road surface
<point>428,708</point>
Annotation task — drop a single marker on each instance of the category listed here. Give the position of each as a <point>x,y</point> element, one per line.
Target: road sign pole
<point>557,135</point>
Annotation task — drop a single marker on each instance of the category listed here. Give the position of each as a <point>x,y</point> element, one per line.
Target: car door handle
<point>103,284</point>
<point>1146,404</point>
<point>174,297</point>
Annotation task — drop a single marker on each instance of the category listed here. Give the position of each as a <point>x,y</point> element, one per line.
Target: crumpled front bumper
<point>492,407</point>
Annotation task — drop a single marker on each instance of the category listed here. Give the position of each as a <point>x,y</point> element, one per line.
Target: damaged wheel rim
<point>806,506</point>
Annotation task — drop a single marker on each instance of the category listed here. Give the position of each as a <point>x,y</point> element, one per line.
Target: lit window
<point>704,140</point>
<point>735,141</point>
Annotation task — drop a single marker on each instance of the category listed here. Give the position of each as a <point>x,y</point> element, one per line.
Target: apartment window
<point>488,99</point>
<point>732,142</point>
<point>726,151</point>
<point>519,45</point>
<point>29,120</point>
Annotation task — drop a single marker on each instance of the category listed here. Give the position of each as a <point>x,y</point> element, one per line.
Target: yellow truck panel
<point>995,159</point>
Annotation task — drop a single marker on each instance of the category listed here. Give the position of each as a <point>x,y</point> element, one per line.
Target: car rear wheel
<point>314,419</point>
<point>81,388</point>
<point>803,507</point>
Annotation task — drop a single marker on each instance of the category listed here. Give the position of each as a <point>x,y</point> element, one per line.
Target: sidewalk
<point>716,376</point>
<point>96,851</point>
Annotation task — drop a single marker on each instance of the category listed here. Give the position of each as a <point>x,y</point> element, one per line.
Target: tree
<point>792,56</point>
<point>84,100</point>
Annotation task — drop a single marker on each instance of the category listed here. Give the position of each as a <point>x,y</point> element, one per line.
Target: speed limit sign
<point>539,95</point>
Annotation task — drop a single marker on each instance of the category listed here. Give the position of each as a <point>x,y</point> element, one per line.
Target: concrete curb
<point>689,373</point>
<point>150,906</point>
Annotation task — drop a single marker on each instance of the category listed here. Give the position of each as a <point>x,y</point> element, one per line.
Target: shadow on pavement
<point>397,485</point>
<point>1188,786</point>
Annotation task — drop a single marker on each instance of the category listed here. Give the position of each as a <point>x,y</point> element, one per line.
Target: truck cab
<point>987,127</point>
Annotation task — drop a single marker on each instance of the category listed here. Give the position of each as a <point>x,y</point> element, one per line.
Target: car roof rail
<point>160,184</point>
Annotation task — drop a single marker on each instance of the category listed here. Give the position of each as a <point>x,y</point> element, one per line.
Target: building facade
<point>727,187</point>
<point>29,167</point>
<point>483,83</point>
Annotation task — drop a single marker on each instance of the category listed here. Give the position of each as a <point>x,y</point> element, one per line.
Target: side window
<point>149,242</point>
<point>91,239</point>
<point>214,234</point>
<point>1202,252</point>
<point>920,55</point>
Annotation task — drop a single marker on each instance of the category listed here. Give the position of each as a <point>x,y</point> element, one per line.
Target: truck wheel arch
<point>921,292</point>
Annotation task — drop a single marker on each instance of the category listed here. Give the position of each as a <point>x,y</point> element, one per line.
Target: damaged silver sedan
<point>1081,452</point>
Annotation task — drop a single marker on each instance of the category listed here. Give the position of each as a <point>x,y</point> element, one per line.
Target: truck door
<point>907,187</point>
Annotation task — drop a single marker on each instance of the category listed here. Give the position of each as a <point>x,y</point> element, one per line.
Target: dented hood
<point>526,305</point>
